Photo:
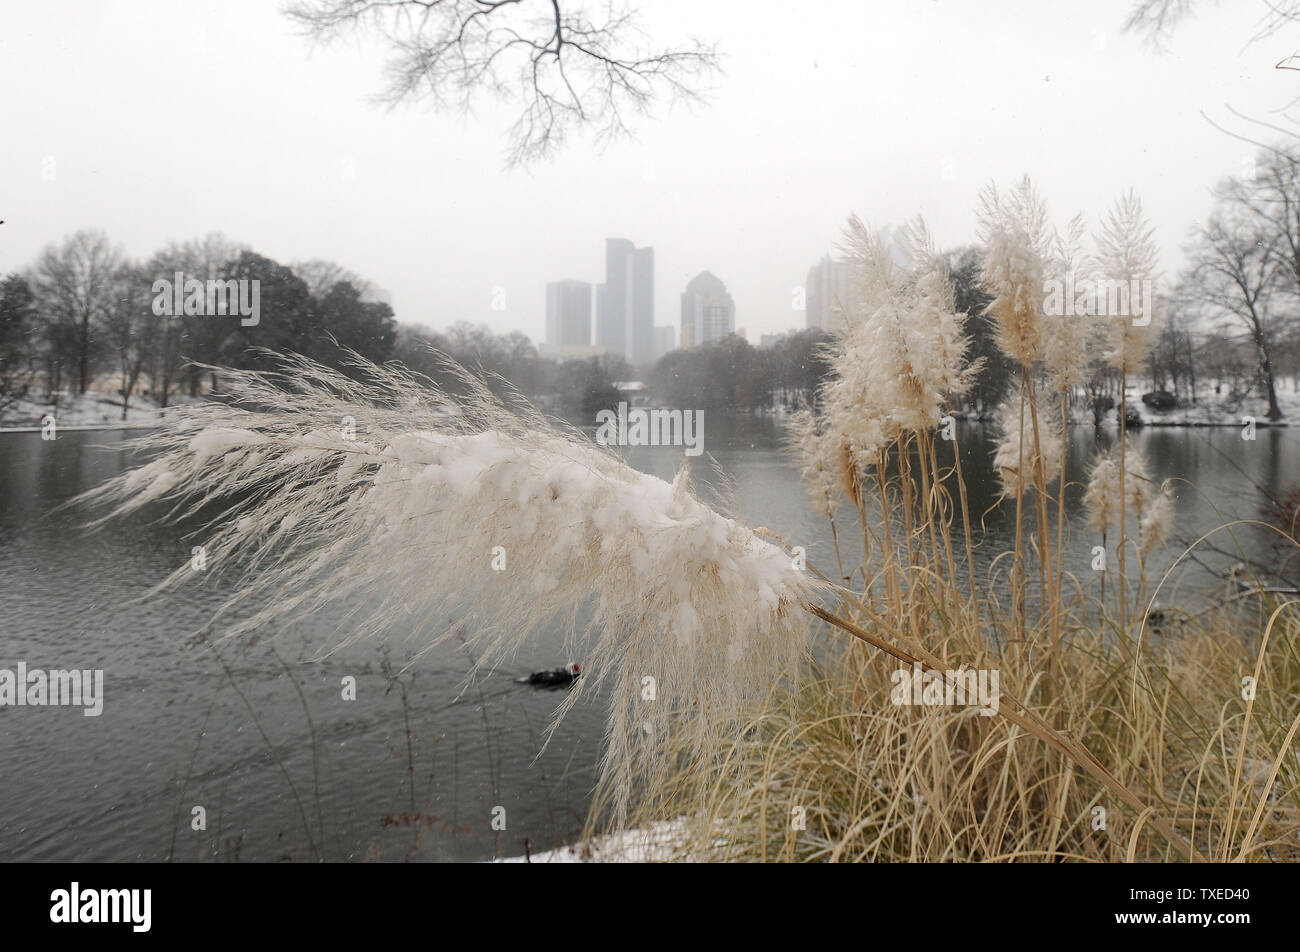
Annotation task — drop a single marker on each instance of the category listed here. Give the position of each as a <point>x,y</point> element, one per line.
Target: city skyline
<point>827,292</point>
<point>568,317</point>
<point>625,317</point>
<point>708,311</point>
<point>623,322</point>
<point>419,203</point>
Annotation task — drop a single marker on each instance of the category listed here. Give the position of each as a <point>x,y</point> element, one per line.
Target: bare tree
<point>185,337</point>
<point>17,339</point>
<point>569,64</point>
<point>1272,198</point>
<point>129,327</point>
<point>1237,273</point>
<point>74,285</point>
<point>322,275</point>
<point>163,358</point>
<point>1158,19</point>
<point>1172,362</point>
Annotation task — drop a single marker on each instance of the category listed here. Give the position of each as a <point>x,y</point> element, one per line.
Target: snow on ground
<point>1210,409</point>
<point>88,411</point>
<point>654,845</point>
<point>102,411</point>
<point>1220,410</point>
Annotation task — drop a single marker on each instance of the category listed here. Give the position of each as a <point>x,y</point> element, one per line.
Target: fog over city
<point>168,121</point>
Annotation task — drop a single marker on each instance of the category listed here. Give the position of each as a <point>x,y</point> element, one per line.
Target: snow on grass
<point>658,844</point>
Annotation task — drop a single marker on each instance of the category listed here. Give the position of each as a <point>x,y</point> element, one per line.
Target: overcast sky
<point>169,119</point>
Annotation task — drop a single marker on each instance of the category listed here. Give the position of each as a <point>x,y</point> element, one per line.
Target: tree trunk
<point>1266,365</point>
<point>84,356</point>
<point>1274,411</point>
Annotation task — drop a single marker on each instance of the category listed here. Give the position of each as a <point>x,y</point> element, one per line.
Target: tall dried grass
<point>1113,741</point>
<point>720,717</point>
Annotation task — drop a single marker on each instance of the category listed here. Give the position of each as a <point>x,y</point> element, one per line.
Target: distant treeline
<point>84,311</point>
<point>726,374</point>
<point>510,362</point>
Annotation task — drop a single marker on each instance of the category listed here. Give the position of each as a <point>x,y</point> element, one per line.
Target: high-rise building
<point>665,340</point>
<point>568,316</point>
<point>829,290</point>
<point>708,313</point>
<point>828,293</point>
<point>625,303</point>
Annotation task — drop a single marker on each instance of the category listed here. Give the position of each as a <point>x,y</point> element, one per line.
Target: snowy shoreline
<point>653,845</point>
<point>90,411</point>
<point>90,428</point>
<point>1208,410</point>
<point>94,411</point>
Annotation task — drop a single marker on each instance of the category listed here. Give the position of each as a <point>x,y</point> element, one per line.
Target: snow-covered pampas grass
<point>1066,339</point>
<point>819,454</point>
<point>1021,464</point>
<point>1157,522</point>
<point>878,781</point>
<point>1137,480</point>
<point>1101,497</point>
<point>447,514</point>
<point>1013,231</point>
<point>1067,335</point>
<point>899,358</point>
<point>902,350</point>
<point>1127,253</point>
<point>1120,488</point>
<point>1105,495</point>
<point>950,372</point>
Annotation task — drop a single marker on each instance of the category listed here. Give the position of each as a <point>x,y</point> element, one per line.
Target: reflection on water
<point>284,767</point>
<point>1217,477</point>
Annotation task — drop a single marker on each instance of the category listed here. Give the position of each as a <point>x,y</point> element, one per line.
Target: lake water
<point>283,766</point>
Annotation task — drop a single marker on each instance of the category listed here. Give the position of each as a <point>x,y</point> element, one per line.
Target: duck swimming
<point>555,677</point>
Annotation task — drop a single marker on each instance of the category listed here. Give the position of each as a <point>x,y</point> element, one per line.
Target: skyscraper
<point>625,303</point>
<point>568,316</point>
<point>665,340</point>
<point>708,312</point>
<point>827,293</point>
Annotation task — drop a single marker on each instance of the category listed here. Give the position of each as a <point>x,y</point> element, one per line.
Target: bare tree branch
<point>1243,266</point>
<point>1157,19</point>
<point>568,68</point>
